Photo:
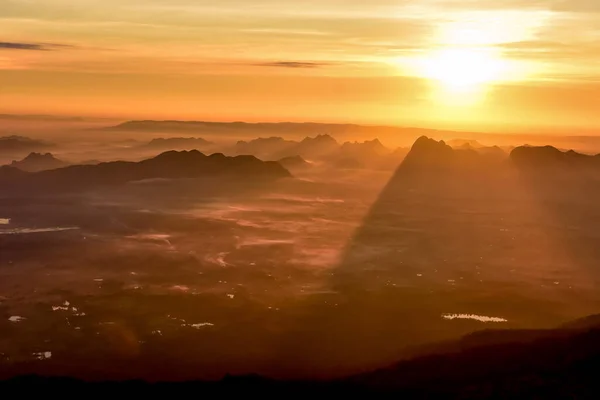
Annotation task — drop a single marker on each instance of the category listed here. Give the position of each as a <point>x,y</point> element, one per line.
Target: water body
<point>480,318</point>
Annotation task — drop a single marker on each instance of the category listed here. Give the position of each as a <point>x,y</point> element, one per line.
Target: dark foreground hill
<point>550,364</point>
<point>169,165</point>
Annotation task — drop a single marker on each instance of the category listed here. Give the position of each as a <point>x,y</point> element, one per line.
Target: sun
<point>463,69</point>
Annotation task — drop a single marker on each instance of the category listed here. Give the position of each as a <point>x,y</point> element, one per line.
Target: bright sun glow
<point>466,57</point>
<point>463,68</point>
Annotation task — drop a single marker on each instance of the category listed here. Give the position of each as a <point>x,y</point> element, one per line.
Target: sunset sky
<point>459,63</point>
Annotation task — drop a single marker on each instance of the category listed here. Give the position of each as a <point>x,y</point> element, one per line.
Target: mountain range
<point>171,165</point>
<point>324,149</point>
<point>428,153</point>
<point>548,156</point>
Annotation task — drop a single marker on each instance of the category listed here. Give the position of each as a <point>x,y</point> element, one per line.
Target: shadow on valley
<point>185,266</point>
<point>458,241</point>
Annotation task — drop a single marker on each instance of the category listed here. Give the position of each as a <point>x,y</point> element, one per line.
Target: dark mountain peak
<point>428,153</point>
<point>39,156</point>
<point>425,146</point>
<point>36,162</point>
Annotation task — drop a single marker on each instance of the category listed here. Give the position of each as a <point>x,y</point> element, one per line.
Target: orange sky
<point>425,62</point>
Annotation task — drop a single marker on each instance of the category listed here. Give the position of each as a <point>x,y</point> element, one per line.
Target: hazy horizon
<point>443,63</point>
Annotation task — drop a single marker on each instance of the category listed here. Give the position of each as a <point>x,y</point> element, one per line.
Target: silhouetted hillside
<point>551,157</point>
<point>172,164</point>
<point>10,173</point>
<point>557,363</point>
<point>551,364</point>
<point>36,162</point>
<point>426,150</point>
<point>428,154</point>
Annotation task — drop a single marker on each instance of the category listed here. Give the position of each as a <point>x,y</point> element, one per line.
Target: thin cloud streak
<point>292,64</point>
<point>22,46</point>
<point>32,46</point>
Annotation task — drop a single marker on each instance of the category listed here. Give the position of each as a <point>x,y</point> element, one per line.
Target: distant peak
<point>426,151</point>
<point>425,142</point>
<point>549,156</point>
<point>35,155</point>
<point>172,154</point>
<point>321,138</point>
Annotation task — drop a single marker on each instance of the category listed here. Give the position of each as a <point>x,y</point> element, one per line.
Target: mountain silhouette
<point>551,157</point>
<point>171,164</point>
<point>510,363</point>
<point>370,147</point>
<point>36,162</point>
<point>429,154</point>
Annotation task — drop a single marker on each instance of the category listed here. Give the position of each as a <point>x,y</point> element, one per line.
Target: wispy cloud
<point>292,64</point>
<point>31,46</point>
<point>21,46</point>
